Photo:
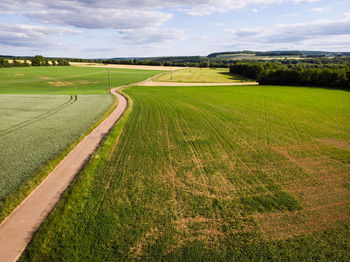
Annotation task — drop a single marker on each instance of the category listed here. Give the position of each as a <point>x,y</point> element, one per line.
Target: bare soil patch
<point>60,83</point>
<point>321,191</point>
<point>81,82</point>
<point>45,77</point>
<point>342,144</point>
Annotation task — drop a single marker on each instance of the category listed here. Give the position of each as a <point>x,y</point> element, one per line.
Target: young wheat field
<point>44,112</point>
<point>240,173</point>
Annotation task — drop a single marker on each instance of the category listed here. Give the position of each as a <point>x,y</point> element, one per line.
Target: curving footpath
<point>19,227</point>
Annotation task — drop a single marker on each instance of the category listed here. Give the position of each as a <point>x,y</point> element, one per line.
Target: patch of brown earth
<point>321,192</point>
<point>61,83</point>
<point>86,82</point>
<point>150,237</point>
<point>200,229</point>
<point>283,225</point>
<point>80,82</point>
<point>18,74</point>
<point>338,143</point>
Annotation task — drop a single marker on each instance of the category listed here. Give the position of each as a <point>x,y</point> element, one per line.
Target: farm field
<point>70,80</point>
<point>45,111</point>
<point>242,173</point>
<point>35,129</point>
<point>204,75</point>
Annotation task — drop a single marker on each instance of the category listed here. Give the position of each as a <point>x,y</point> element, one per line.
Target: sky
<point>146,28</point>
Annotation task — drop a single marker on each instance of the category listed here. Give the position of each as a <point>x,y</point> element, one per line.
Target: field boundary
<point>153,83</point>
<point>150,82</point>
<point>17,229</point>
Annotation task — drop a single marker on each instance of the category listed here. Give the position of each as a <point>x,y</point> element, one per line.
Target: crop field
<point>240,173</point>
<point>204,75</point>
<point>44,112</point>
<point>66,79</point>
<point>35,129</point>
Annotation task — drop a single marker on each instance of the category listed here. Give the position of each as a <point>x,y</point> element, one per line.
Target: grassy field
<point>36,129</point>
<point>237,173</point>
<point>66,79</point>
<point>44,112</point>
<point>204,75</point>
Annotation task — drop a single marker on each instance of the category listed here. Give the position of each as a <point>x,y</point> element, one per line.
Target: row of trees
<point>173,62</point>
<point>302,74</point>
<point>42,61</point>
<point>35,61</point>
<point>15,63</point>
<point>199,61</point>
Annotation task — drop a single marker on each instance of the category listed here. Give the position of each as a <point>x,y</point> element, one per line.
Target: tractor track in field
<point>71,100</point>
<point>19,227</point>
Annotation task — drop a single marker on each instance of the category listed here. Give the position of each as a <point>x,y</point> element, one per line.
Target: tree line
<point>333,75</point>
<point>35,61</point>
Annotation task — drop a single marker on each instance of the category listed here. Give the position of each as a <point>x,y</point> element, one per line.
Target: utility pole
<point>109,83</point>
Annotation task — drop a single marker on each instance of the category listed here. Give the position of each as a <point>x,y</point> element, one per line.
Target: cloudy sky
<point>127,28</point>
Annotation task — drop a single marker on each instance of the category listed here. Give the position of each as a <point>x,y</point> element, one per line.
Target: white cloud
<point>149,36</point>
<point>102,18</point>
<point>90,13</point>
<point>305,1</point>
<point>320,9</point>
<point>296,35</point>
<point>31,36</point>
<point>122,12</point>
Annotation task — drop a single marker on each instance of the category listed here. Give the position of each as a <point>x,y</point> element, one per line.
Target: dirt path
<point>142,67</point>
<point>153,83</point>
<point>18,228</point>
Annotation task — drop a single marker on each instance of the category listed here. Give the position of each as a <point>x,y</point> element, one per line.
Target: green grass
<point>202,173</point>
<point>204,75</point>
<point>66,79</point>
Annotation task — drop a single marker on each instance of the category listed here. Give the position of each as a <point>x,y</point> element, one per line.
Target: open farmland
<point>212,173</point>
<point>37,130</point>
<point>201,75</point>
<point>66,79</point>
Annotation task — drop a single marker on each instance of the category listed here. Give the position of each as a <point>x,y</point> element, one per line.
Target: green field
<point>45,111</point>
<point>201,75</point>
<point>35,128</point>
<point>66,79</point>
<point>241,173</point>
